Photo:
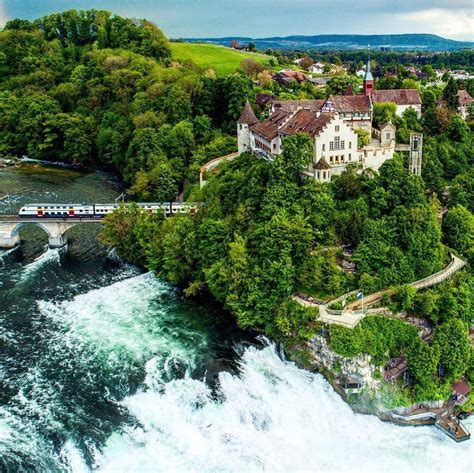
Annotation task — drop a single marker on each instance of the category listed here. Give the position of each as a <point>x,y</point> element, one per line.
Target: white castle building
<point>332,123</point>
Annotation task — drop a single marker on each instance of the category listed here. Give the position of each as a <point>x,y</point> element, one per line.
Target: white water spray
<point>273,417</point>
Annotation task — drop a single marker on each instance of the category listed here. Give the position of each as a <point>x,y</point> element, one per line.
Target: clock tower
<point>368,78</point>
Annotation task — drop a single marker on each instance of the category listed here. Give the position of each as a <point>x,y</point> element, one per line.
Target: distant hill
<point>404,42</point>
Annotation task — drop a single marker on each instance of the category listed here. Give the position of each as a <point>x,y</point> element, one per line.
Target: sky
<point>260,18</point>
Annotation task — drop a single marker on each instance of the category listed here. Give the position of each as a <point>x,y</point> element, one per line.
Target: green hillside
<point>222,59</point>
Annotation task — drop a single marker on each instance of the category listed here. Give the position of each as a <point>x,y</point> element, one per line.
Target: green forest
<point>97,90</point>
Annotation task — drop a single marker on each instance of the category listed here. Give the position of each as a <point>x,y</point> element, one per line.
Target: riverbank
<point>359,384</point>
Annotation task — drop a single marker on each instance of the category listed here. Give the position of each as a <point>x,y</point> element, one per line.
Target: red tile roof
<point>461,387</point>
<point>264,99</point>
<point>269,128</point>
<point>322,164</point>
<point>248,116</point>
<point>297,75</point>
<point>349,103</point>
<point>294,105</point>
<point>464,97</point>
<point>398,96</point>
<point>305,121</point>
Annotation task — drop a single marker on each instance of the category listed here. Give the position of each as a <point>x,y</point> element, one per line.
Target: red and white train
<point>101,210</point>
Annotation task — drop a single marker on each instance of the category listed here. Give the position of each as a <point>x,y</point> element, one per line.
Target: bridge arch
<point>55,230</point>
<point>16,229</point>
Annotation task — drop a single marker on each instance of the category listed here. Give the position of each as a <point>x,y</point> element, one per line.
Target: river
<point>104,367</point>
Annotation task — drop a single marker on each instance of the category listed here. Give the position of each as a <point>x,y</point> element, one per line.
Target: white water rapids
<point>273,416</point>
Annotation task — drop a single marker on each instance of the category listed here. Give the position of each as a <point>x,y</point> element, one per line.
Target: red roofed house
<point>403,98</point>
<point>286,77</point>
<point>465,101</point>
<point>356,110</point>
<point>461,392</point>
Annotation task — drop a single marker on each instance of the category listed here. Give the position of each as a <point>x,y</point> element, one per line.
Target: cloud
<point>3,15</point>
<point>456,24</point>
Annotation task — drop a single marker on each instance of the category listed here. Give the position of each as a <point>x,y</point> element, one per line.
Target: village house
<point>319,82</point>
<point>287,77</point>
<point>317,68</point>
<point>465,103</point>
<point>263,100</point>
<point>355,110</point>
<point>460,74</point>
<point>402,98</point>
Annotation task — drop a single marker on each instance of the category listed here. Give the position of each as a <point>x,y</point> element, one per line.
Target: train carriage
<point>67,211</point>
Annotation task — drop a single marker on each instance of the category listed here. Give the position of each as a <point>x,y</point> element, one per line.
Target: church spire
<point>368,67</point>
<point>368,78</point>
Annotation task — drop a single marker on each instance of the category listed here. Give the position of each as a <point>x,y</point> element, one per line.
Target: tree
<point>251,67</point>
<point>363,137</point>
<point>158,185</point>
<point>339,84</point>
<point>306,63</point>
<point>458,228</point>
<point>452,341</point>
<point>423,362</point>
<point>458,130</point>
<point>450,94</point>
<point>384,112</point>
<point>410,84</point>
<point>297,153</point>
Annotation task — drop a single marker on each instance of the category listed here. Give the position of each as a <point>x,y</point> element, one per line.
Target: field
<point>223,60</point>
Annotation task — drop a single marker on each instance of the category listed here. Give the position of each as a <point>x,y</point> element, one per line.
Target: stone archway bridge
<point>55,228</point>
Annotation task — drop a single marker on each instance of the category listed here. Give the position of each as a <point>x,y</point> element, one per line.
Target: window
<point>240,126</point>
<point>337,127</point>
<point>274,146</point>
<point>331,159</point>
<point>331,145</point>
<point>337,142</point>
<point>324,174</point>
<point>324,147</point>
<point>387,136</point>
<point>350,156</point>
<point>342,144</point>
<point>350,144</point>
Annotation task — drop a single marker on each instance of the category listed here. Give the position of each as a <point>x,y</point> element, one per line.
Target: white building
<point>465,103</point>
<point>317,68</point>
<point>403,99</point>
<point>335,139</point>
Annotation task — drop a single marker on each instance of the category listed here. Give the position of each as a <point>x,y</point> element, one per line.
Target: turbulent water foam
<point>124,323</point>
<point>273,417</point>
<point>51,255</point>
<point>126,345</point>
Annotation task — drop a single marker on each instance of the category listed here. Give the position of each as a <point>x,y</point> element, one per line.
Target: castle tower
<point>246,120</point>
<point>368,78</point>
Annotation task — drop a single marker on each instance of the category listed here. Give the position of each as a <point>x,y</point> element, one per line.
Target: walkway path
<point>213,163</point>
<point>455,265</point>
<point>352,314</point>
